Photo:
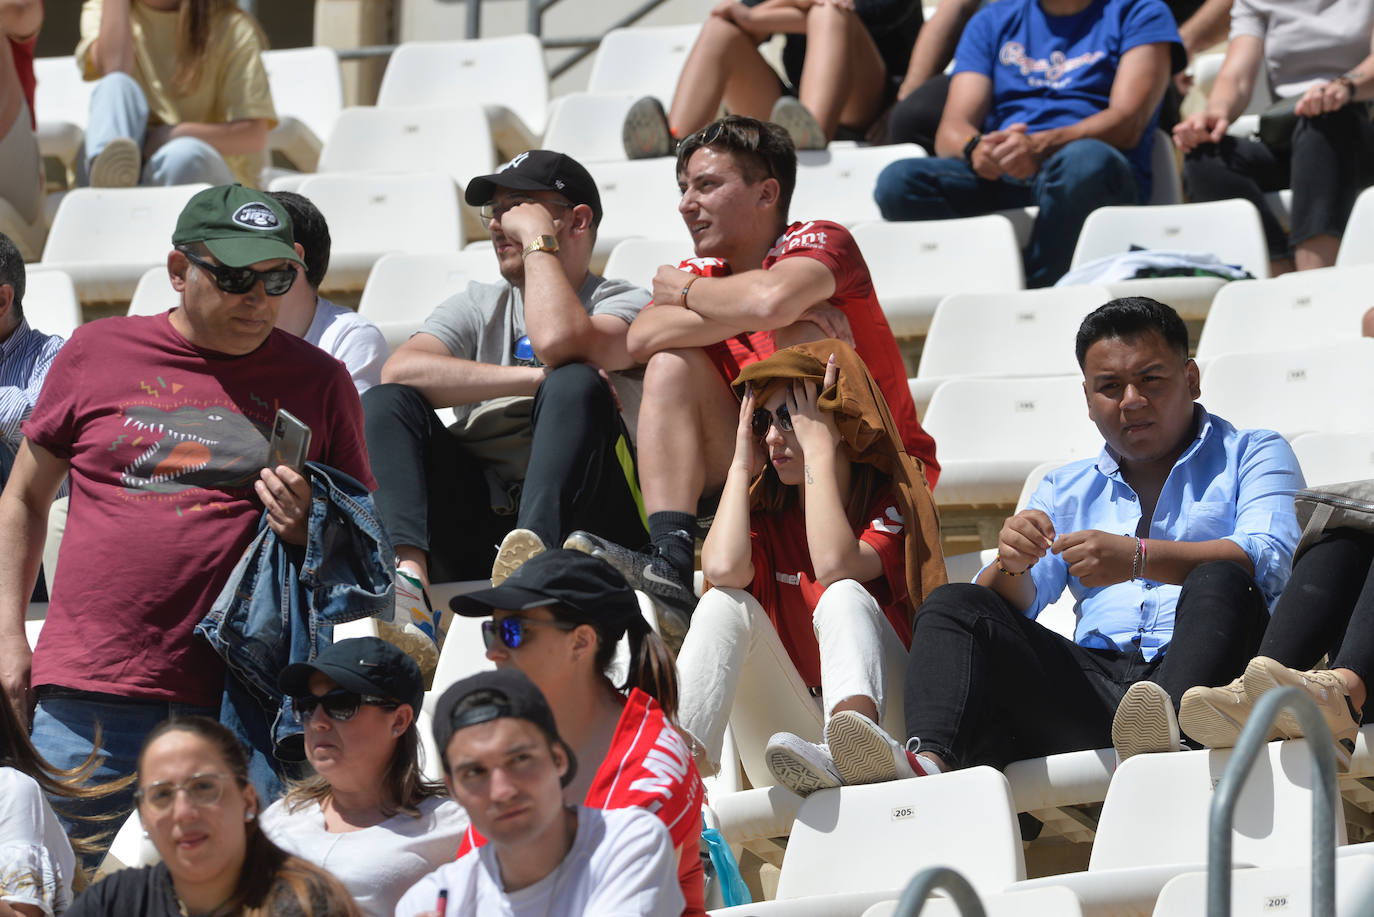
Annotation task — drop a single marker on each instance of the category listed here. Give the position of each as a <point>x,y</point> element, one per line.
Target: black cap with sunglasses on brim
<point>365,666</point>
<point>539,170</point>
<point>494,695</point>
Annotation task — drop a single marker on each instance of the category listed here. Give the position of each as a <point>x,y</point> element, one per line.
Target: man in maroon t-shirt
<point>756,285</point>
<point>162,423</point>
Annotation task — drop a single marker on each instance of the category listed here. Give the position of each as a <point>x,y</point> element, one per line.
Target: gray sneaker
<point>647,573</point>
<point>801,766</point>
<point>645,132</point>
<point>792,116</point>
<point>118,165</point>
<point>1145,722</point>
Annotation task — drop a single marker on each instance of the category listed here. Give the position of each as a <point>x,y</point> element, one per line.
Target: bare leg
<point>1318,251</point>
<point>413,561</point>
<point>1367,324</point>
<point>861,705</point>
<point>723,64</point>
<point>686,431</point>
<point>842,77</point>
<point>1279,266</point>
<point>1359,693</point>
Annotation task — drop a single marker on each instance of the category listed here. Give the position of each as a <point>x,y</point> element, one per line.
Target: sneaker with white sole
<point>518,546</point>
<point>118,165</point>
<point>791,115</point>
<point>864,753</point>
<point>645,133</point>
<point>414,625</point>
<point>1145,722</point>
<point>1325,687</point>
<point>801,766</point>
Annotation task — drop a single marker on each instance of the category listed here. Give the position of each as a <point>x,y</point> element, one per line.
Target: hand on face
<point>1097,558</point>
<point>524,223</point>
<point>815,429</point>
<point>749,452</point>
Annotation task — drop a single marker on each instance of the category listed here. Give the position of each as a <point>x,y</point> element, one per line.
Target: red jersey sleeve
<point>831,245</point>
<point>885,533</point>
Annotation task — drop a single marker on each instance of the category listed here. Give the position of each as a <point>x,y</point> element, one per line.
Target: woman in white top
<point>368,815</point>
<point>1319,56</point>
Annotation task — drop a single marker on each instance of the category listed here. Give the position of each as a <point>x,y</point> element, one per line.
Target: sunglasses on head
<point>763,419</point>
<point>242,279</point>
<point>511,631</point>
<point>339,705</point>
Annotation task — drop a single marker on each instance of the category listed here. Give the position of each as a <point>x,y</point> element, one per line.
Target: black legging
<point>433,495</point>
<point>1327,608</point>
<point>986,685</point>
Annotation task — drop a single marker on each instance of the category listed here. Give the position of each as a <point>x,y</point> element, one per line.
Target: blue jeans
<point>119,109</point>
<point>64,733</point>
<point>1084,175</point>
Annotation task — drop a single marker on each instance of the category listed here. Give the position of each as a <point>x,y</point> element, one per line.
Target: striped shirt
<point>24,360</point>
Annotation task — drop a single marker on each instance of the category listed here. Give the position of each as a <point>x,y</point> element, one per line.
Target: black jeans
<point>1328,165</point>
<point>1327,608</point>
<point>433,495</point>
<point>916,118</point>
<point>987,685</point>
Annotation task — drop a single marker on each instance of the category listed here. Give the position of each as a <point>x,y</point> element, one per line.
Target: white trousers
<point>733,669</point>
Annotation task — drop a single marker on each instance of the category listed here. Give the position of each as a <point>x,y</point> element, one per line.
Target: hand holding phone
<point>290,443</point>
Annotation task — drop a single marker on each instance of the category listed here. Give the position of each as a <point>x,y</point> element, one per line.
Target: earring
<point>146,835</point>
<point>249,816</point>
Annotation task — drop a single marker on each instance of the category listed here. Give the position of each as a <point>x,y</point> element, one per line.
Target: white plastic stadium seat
<point>1297,310</point>
<point>1357,245</point>
<point>1024,333</point>
<point>1229,229</point>
<point>642,61</point>
<point>992,432</point>
<point>916,264</point>
<point>1265,892</point>
<point>50,303</point>
<point>1040,902</point>
<point>1165,178</point>
<point>106,238</point>
<point>636,260</point>
<point>586,125</point>
<point>1294,391</point>
<point>62,103</point>
<point>404,289</point>
<point>129,848</point>
<point>507,76</point>
<point>371,215</point>
<point>639,199</point>
<point>1333,458</point>
<point>154,294</point>
<point>837,183</point>
<point>307,92</point>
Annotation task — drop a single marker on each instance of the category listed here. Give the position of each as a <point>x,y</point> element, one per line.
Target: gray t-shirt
<point>486,323</point>
<point>1306,41</point>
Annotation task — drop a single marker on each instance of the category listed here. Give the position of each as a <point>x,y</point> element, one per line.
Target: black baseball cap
<point>539,170</point>
<point>240,226</point>
<point>363,665</point>
<point>494,695</point>
<point>586,588</point>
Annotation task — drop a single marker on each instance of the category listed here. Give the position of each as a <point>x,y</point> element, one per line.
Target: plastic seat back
<point>508,71</point>
<point>639,199</point>
<point>636,260</point>
<point>403,289</point>
<point>61,93</point>
<point>987,419</point>
<point>1333,458</point>
<point>306,85</point>
<point>1357,245</point>
<point>644,61</point>
<point>50,303</point>
<point>1317,390</point>
<point>454,140</point>
<point>586,125</point>
<point>1228,229</point>
<point>837,183</point>
<point>1302,309</point>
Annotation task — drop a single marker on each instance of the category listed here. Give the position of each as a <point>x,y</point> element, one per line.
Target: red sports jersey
<point>832,245</point>
<point>649,766</point>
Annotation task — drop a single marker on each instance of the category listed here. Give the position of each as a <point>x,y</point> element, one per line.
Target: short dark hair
<point>12,273</point>
<point>310,230</point>
<point>763,149</point>
<point>1128,317</point>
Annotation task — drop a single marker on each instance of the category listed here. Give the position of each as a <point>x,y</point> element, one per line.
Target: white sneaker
<point>518,546</point>
<point>801,766</point>
<point>1145,722</point>
<point>864,753</point>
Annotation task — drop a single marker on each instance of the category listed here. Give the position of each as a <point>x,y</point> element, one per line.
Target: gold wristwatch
<point>544,243</point>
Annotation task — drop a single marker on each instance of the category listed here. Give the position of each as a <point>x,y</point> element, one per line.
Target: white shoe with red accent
<point>864,753</point>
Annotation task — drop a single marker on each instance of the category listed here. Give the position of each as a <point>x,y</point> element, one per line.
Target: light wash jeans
<point>119,109</point>
<point>734,669</point>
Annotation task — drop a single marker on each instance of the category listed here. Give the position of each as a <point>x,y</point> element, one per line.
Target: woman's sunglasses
<point>239,280</point>
<point>763,419</point>
<point>511,631</point>
<point>340,705</point>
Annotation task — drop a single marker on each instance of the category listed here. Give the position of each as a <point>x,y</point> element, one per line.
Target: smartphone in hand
<point>290,442</point>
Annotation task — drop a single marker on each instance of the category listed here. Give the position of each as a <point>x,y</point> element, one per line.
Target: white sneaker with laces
<point>801,766</point>
<point>864,753</point>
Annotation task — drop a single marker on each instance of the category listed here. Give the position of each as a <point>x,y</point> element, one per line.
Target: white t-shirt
<point>36,859</point>
<point>620,863</point>
<point>375,864</point>
<point>1306,41</point>
<point>351,339</point>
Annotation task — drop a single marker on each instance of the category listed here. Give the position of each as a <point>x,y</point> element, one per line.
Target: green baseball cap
<point>240,226</point>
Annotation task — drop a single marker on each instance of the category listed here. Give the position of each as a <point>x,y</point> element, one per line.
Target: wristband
<point>1002,568</point>
<point>969,146</point>
<point>694,279</point>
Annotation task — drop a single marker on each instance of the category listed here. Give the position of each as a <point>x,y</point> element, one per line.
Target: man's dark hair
<point>12,273</point>
<point>310,230</point>
<point>762,149</point>
<point>1128,317</point>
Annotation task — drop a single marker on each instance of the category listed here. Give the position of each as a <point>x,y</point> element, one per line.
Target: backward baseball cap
<point>240,226</point>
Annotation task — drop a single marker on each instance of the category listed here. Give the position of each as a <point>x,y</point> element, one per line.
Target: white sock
<point>929,766</point>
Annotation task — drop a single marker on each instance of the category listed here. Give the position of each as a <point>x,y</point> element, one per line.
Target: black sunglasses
<point>763,419</point>
<point>511,631</point>
<point>239,280</point>
<point>339,705</point>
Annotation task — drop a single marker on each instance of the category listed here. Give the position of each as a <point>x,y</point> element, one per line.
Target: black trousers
<point>916,118</point>
<point>433,495</point>
<point>1327,608</point>
<point>1331,161</point>
<point>986,685</point>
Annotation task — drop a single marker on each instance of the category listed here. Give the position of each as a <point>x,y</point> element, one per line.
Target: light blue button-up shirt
<point>1229,483</point>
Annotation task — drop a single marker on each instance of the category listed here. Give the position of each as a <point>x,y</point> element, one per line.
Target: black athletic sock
<point>673,536</point>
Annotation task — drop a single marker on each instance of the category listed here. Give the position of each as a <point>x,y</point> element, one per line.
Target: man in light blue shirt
<point>1175,542</point>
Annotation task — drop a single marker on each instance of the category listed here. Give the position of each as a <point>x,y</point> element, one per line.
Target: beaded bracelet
<point>1002,568</point>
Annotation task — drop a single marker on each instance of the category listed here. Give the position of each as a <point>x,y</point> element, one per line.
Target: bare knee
<point>669,376</point>
<point>828,18</point>
<point>1367,324</point>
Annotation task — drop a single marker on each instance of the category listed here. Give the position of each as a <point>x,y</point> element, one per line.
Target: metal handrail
<point>913,899</point>
<point>1253,737</point>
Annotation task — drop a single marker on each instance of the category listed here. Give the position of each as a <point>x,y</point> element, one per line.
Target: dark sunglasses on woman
<point>511,631</point>
<point>763,419</point>
<point>339,705</point>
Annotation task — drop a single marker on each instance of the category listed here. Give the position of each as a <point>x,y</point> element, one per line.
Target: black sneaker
<point>647,573</point>
<point>645,132</point>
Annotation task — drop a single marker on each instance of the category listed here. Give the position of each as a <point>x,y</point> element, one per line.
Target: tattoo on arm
<point>807,469</point>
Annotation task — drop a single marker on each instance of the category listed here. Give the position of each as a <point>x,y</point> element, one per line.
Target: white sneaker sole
<point>119,165</point>
<point>1144,724</point>
<point>517,547</point>
<point>796,773</point>
<point>862,753</point>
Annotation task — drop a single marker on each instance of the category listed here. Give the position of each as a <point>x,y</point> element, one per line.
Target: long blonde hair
<point>197,20</point>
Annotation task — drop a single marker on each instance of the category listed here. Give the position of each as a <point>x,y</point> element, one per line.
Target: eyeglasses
<point>238,280</point>
<point>511,631</point>
<point>491,211</point>
<point>763,419</point>
<point>341,706</point>
<point>201,789</point>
